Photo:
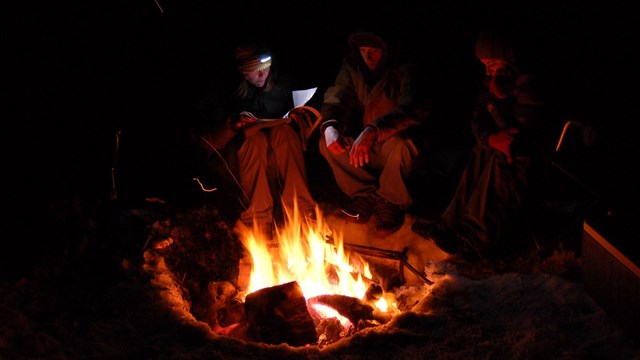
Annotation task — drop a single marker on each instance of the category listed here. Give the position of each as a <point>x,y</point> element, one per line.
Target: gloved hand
<point>359,154</point>
<point>502,140</point>
<point>336,143</point>
<point>239,121</point>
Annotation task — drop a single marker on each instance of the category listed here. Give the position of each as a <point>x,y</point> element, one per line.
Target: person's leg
<point>395,157</point>
<point>352,181</point>
<point>359,184</point>
<point>291,168</point>
<point>466,187</point>
<point>487,204</point>
<point>252,167</point>
<point>444,230</point>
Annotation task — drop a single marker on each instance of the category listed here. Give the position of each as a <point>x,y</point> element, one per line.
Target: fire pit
<point>305,286</point>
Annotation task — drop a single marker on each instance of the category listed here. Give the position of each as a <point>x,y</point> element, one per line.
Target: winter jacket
<point>529,110</point>
<point>391,98</point>
<point>218,107</point>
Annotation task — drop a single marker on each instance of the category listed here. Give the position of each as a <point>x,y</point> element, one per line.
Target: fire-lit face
<point>502,77</point>
<point>257,78</point>
<point>497,67</point>
<point>371,56</point>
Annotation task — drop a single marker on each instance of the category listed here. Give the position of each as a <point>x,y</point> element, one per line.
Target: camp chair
<point>565,199</point>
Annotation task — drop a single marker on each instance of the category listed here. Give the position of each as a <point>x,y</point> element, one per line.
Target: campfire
<point>302,277</point>
<point>303,286</point>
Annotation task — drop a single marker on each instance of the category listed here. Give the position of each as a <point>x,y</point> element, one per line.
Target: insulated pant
<point>390,164</point>
<point>276,151</point>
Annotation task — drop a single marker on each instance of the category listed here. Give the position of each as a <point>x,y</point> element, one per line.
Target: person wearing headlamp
<point>266,168</point>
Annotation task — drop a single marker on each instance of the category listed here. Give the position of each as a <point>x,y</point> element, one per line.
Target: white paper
<point>301,97</point>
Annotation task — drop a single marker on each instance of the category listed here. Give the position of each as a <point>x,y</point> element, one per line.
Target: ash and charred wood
<point>216,296</point>
<point>279,314</point>
<point>374,293</point>
<point>232,314</point>
<point>355,310</point>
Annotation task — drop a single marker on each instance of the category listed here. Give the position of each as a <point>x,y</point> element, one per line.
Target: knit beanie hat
<point>368,39</point>
<point>491,45</point>
<point>252,57</point>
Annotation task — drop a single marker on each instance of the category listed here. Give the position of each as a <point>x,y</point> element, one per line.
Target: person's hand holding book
<point>239,121</point>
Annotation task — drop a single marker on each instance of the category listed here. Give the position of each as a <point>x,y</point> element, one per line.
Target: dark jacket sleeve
<point>414,103</point>
<point>349,98</point>
<point>339,100</point>
<point>490,115</point>
<point>528,110</point>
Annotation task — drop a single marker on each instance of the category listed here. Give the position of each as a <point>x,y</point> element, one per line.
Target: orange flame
<point>300,252</point>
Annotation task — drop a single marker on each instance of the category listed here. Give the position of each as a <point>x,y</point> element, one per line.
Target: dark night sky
<point>78,72</point>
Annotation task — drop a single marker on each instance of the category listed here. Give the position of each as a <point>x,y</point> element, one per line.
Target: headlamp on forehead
<point>255,63</point>
<point>264,58</point>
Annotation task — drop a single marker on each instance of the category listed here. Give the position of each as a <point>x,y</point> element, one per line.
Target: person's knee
<point>400,149</point>
<point>256,142</point>
<point>322,147</point>
<point>282,133</point>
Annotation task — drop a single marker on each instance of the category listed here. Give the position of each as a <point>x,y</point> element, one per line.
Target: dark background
<point>79,73</point>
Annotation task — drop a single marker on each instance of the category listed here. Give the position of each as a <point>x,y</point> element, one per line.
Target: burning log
<point>349,307</point>
<point>279,314</point>
<point>355,310</point>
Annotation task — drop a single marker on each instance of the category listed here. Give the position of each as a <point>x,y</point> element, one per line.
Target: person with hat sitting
<point>264,169</point>
<point>369,135</point>
<point>515,124</point>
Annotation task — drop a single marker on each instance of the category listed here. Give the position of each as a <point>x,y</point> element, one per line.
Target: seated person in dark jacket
<point>369,135</point>
<point>515,126</point>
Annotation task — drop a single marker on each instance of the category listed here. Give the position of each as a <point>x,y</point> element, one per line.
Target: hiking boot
<point>358,211</point>
<point>389,218</point>
<point>447,241</point>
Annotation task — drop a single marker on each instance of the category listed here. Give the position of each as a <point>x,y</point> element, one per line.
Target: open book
<point>304,118</point>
